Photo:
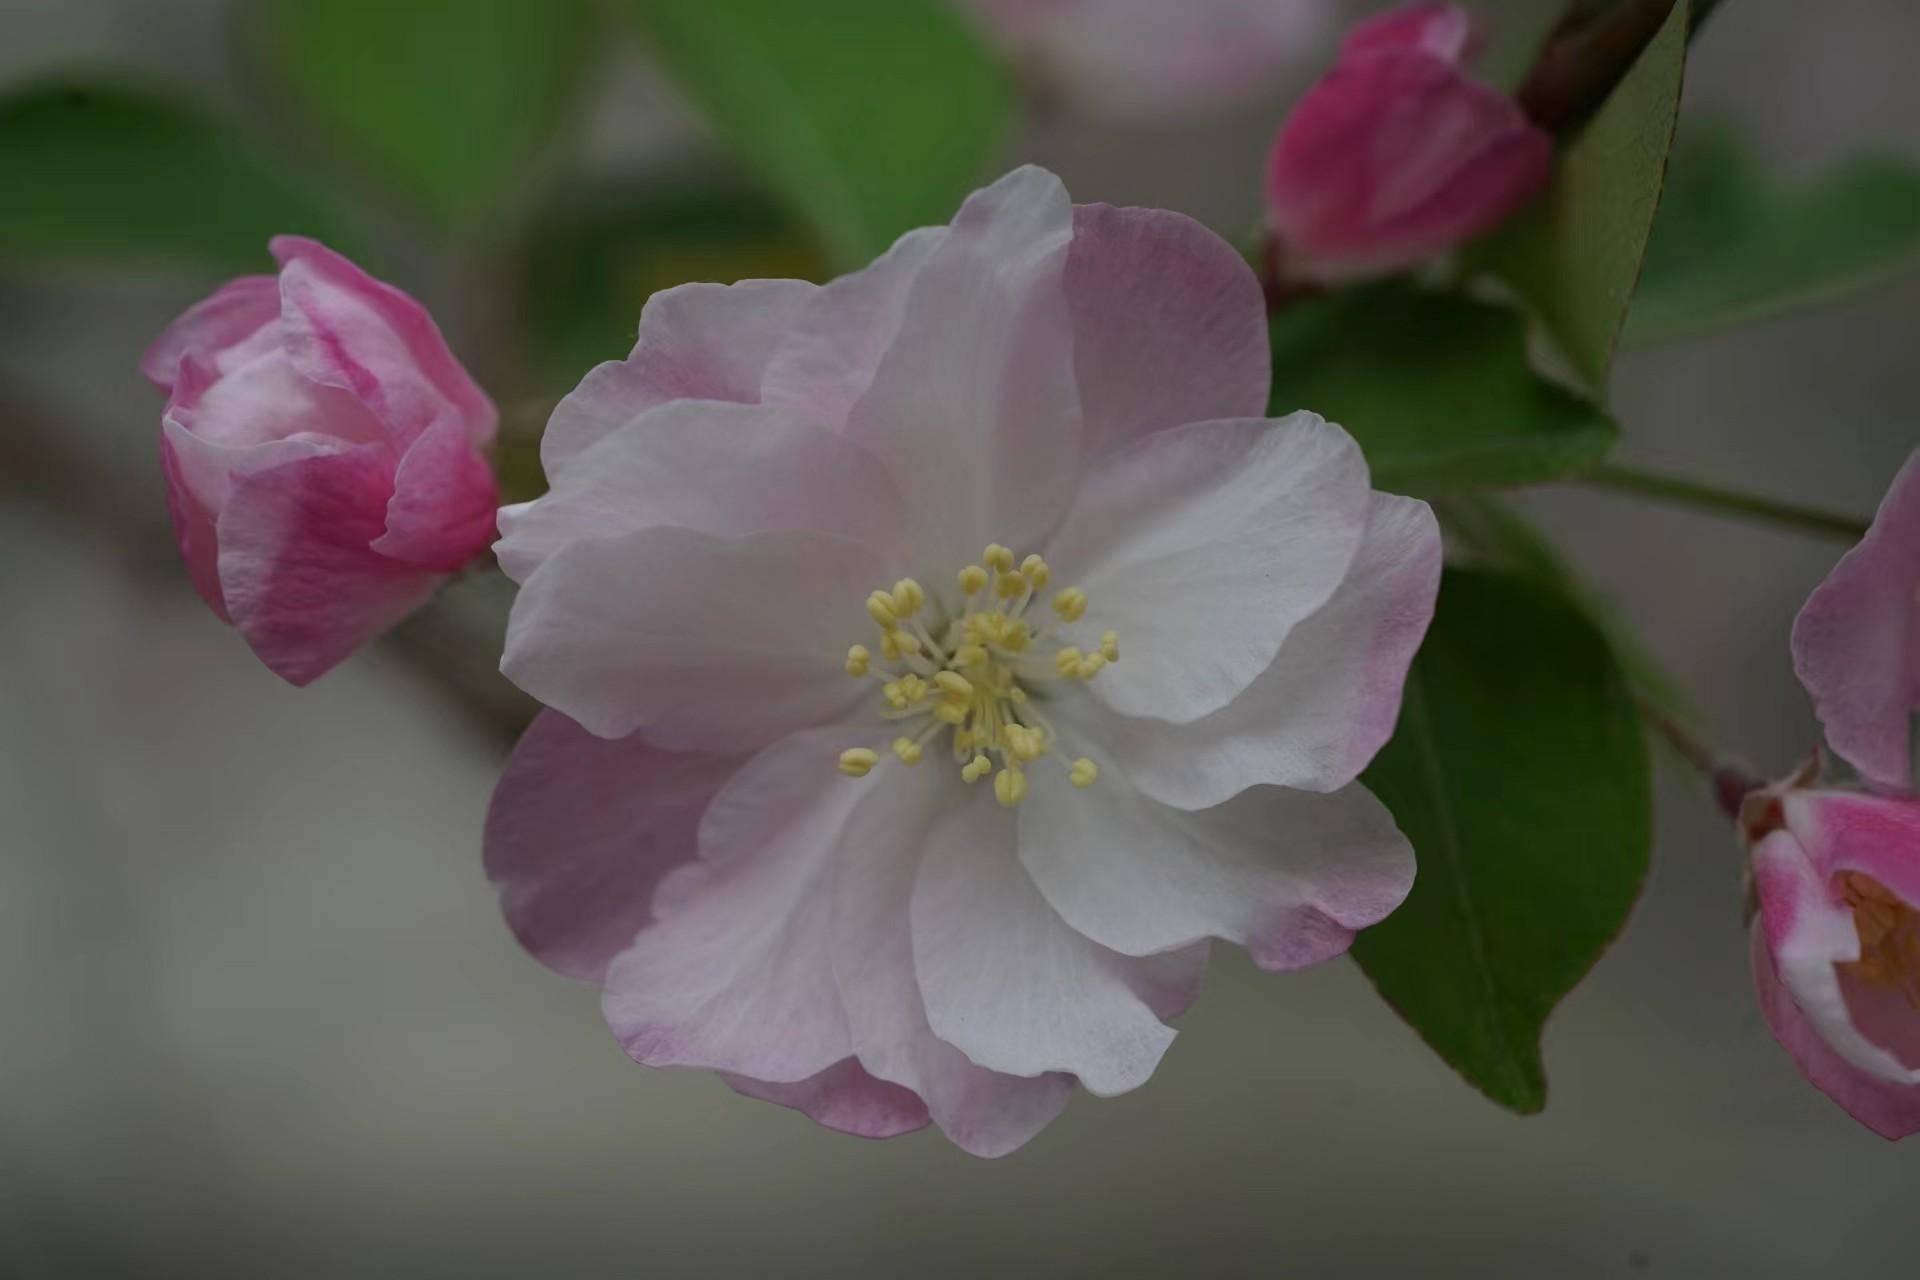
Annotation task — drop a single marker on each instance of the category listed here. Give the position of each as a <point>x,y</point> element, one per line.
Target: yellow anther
<point>1025,742</point>
<point>954,713</point>
<point>997,557</point>
<point>1011,584</point>
<point>976,769</point>
<point>1014,635</point>
<point>1110,645</point>
<point>890,644</point>
<point>857,762</point>
<point>972,579</point>
<point>907,598</point>
<point>1083,772</point>
<point>963,740</point>
<point>1016,694</point>
<point>1090,666</point>
<point>857,659</point>
<point>913,689</point>
<point>1067,661</point>
<point>970,655</point>
<point>954,683</point>
<point>880,609</point>
<point>895,696</point>
<point>907,749</point>
<point>1036,571</point>
<point>1009,787</point>
<point>904,641</point>
<point>1070,604</point>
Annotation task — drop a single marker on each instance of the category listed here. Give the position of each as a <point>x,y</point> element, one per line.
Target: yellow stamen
<point>1009,787</point>
<point>1036,571</point>
<point>997,557</point>
<point>1110,645</point>
<point>970,655</point>
<point>1067,661</point>
<point>857,762</point>
<point>954,683</point>
<point>858,658</point>
<point>880,609</point>
<point>907,749</point>
<point>907,598</point>
<point>972,579</point>
<point>976,769</point>
<point>1012,585</point>
<point>1083,772</point>
<point>1070,604</point>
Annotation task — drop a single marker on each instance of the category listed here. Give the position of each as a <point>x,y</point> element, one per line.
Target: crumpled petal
<point>1444,30</point>
<point>297,570</point>
<point>826,360</point>
<point>1169,325</point>
<point>1328,701</point>
<point>1009,983</point>
<point>984,1112</point>
<point>441,514</point>
<point>697,342</point>
<point>1204,546</point>
<point>973,408</point>
<point>715,467</point>
<point>221,321</point>
<point>342,328</point>
<point>843,1097</point>
<point>1290,875</point>
<point>1855,644</point>
<point>705,643</point>
<point>193,530</point>
<point>737,972</point>
<point>580,832</point>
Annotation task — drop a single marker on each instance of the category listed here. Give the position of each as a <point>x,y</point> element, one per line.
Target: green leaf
<point>1435,387</point>
<point>1519,773</point>
<point>1735,244</point>
<point>101,171</point>
<point>1574,256</point>
<point>867,119</point>
<point>447,101</point>
<point>595,257</point>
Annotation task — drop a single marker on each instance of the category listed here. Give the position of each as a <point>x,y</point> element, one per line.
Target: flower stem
<point>1724,501</point>
<point>1730,782</point>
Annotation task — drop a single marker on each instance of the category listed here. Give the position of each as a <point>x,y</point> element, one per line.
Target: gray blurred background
<point>259,1016</point>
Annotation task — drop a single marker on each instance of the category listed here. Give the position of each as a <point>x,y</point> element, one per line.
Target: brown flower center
<point>1889,933</point>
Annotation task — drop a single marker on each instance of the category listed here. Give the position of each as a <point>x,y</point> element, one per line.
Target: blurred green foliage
<point>867,119</point>
<point>1435,387</point>
<point>447,102</point>
<point>1734,244</point>
<point>1519,773</point>
<point>103,171</point>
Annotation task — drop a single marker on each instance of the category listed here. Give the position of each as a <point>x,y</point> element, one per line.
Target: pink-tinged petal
<point>1290,875</point>
<point>1316,716</point>
<point>973,409</point>
<point>345,329</point>
<point>705,643</point>
<point>1010,984</point>
<point>1890,1110</point>
<point>1809,931</point>
<point>1855,644</point>
<point>826,361</point>
<point>845,1098</point>
<point>193,530</point>
<point>1204,546</point>
<point>738,974</point>
<point>719,468</point>
<point>226,318</point>
<point>580,832</point>
<point>441,515</point>
<point>1394,157</point>
<point>297,569</point>
<point>982,1112</point>
<point>1848,831</point>
<point>1444,30</point>
<point>696,342</point>
<point>1169,325</point>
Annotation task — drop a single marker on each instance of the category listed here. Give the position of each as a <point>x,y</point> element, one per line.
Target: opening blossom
<point>1129,59</point>
<point>1856,645</point>
<point>1836,948</point>
<point>321,450</point>
<point>1397,155</point>
<point>938,660</point>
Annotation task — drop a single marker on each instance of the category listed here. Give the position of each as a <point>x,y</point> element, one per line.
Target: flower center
<point>978,669</point>
<point>1889,933</point>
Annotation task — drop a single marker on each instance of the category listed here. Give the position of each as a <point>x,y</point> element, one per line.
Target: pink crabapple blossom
<point>1836,945</point>
<point>1397,155</point>
<point>937,661</point>
<point>322,455</point>
<point>1856,643</point>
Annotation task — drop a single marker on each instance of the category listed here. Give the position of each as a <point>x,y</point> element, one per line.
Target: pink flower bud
<point>1836,948</point>
<point>1397,155</point>
<point>1854,644</point>
<point>321,449</point>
